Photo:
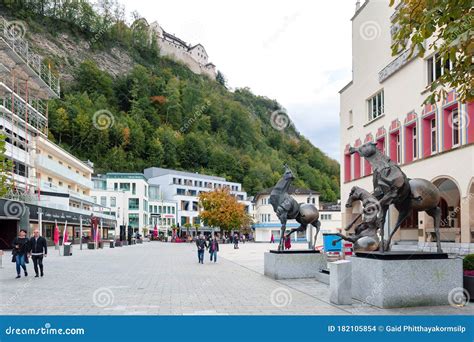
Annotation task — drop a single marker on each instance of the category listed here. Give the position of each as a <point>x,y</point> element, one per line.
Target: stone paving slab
<point>150,279</point>
<point>165,279</point>
<point>251,256</point>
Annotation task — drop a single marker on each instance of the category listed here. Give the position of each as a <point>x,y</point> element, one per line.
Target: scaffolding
<point>26,83</point>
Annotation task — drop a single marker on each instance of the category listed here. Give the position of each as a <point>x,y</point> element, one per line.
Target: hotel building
<point>383,103</point>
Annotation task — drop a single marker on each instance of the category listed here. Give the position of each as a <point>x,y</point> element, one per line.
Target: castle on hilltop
<point>193,56</point>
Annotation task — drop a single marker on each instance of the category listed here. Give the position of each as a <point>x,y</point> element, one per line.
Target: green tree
<point>443,26</point>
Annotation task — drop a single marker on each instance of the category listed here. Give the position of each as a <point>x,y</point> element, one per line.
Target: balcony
<point>17,48</point>
<point>62,171</point>
<point>46,186</point>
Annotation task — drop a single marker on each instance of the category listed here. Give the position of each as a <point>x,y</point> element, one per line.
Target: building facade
<point>384,104</point>
<point>49,185</point>
<point>183,188</point>
<point>267,223</point>
<point>126,196</point>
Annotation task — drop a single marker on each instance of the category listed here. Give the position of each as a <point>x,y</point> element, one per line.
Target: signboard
<point>328,245</point>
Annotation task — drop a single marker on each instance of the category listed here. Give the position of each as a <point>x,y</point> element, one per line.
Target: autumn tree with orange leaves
<point>221,209</point>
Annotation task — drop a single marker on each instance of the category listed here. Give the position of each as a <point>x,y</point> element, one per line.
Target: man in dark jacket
<point>20,252</point>
<point>201,246</point>
<point>213,248</point>
<point>38,250</point>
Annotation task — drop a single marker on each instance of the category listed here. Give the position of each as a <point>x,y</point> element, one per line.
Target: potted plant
<point>468,266</point>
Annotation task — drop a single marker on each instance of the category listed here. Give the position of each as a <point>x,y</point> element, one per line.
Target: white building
<point>184,188</point>
<point>384,103</point>
<point>267,223</point>
<point>126,194</point>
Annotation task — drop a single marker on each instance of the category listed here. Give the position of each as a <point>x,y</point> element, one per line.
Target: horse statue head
<point>357,194</point>
<point>288,175</point>
<point>367,150</point>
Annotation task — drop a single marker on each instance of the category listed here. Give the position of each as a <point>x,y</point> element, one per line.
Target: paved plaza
<point>165,279</point>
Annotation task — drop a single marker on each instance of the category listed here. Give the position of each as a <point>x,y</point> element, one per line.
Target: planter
<point>90,245</point>
<point>118,243</point>
<point>101,244</point>
<point>112,244</point>
<point>468,284</point>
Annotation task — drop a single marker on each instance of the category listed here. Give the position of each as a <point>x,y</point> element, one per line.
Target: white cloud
<point>297,52</point>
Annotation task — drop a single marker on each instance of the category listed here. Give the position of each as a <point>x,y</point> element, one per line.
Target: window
<point>455,124</point>
<point>134,188</point>
<point>180,191</point>
<point>103,201</point>
<point>399,149</point>
<point>133,203</point>
<point>60,183</point>
<point>113,202</point>
<point>125,186</point>
<point>133,220</point>
<point>116,186</point>
<point>415,143</point>
<point>436,68</point>
<point>375,106</point>
<point>351,119</point>
<point>94,199</point>
<point>50,179</point>
<point>433,135</point>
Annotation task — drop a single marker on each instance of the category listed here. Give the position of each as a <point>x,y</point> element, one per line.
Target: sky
<point>297,52</point>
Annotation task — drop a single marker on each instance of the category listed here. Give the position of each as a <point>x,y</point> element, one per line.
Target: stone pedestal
<point>292,264</point>
<point>340,282</point>
<point>402,279</point>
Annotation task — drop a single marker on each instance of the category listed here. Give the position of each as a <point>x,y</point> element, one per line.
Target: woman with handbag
<point>20,252</point>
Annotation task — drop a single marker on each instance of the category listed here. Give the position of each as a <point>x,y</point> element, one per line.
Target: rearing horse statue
<point>286,208</point>
<point>391,186</point>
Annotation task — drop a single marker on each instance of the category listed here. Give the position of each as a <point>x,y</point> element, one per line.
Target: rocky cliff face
<point>70,52</point>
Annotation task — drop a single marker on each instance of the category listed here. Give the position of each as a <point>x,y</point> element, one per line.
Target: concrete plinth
<point>292,264</point>
<point>340,282</point>
<point>397,279</point>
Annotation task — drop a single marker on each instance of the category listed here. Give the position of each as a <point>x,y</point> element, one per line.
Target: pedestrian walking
<point>213,249</point>
<point>20,252</point>
<point>272,239</point>
<point>38,250</point>
<point>201,246</point>
<point>236,241</point>
<point>287,242</point>
<point>243,238</point>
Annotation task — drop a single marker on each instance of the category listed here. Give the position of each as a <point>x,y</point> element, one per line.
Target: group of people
<point>212,245</point>
<point>24,248</point>
<point>287,241</point>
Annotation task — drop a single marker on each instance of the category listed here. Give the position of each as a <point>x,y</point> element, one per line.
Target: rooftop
<point>158,171</point>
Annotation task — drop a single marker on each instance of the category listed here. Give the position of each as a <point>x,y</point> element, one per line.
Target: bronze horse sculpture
<point>365,236</point>
<point>286,208</point>
<point>391,186</point>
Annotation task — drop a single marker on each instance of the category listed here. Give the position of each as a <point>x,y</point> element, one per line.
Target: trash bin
<point>101,244</point>
<point>112,244</point>
<point>67,249</point>
<point>90,245</point>
<point>118,243</point>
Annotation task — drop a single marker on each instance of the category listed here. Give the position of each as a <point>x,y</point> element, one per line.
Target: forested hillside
<point>156,112</point>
